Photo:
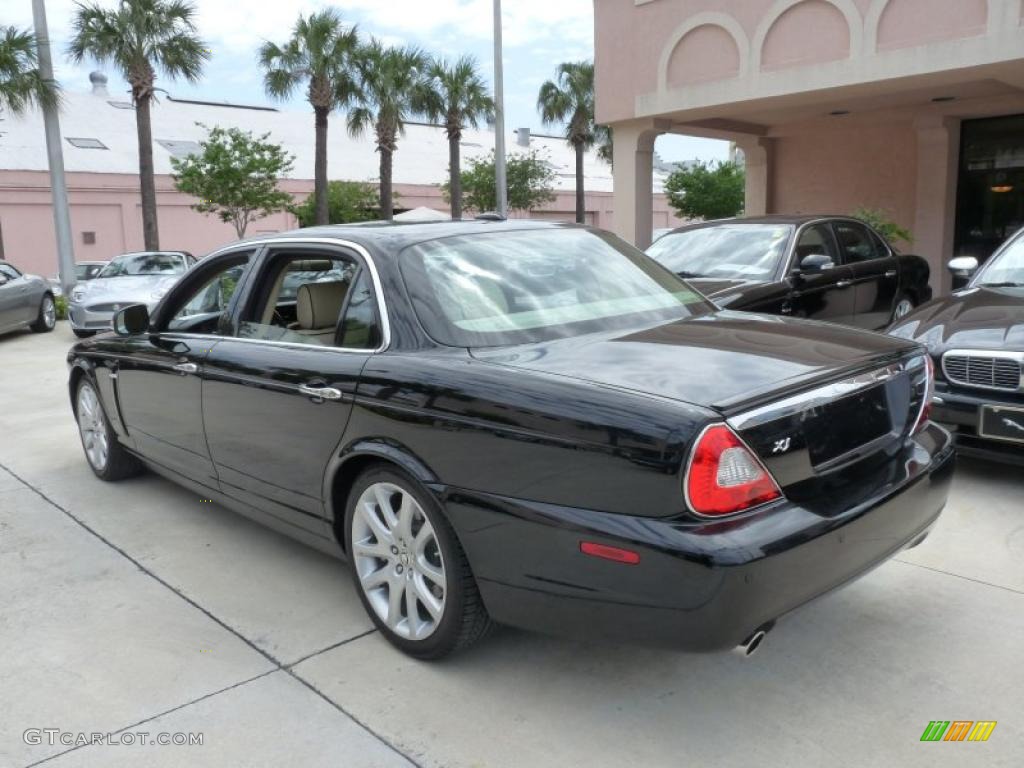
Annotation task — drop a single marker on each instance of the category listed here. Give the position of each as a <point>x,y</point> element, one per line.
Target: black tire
<point>464,619</point>
<point>46,317</point>
<point>119,463</point>
<point>83,334</point>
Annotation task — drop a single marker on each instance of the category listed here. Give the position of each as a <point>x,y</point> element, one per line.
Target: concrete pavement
<point>136,607</point>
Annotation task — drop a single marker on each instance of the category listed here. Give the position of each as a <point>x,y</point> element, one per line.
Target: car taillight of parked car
<point>929,395</point>
<point>724,476</point>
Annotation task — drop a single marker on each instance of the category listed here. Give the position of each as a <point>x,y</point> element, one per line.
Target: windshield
<point>737,251</point>
<point>529,285</point>
<point>145,264</point>
<point>1007,268</point>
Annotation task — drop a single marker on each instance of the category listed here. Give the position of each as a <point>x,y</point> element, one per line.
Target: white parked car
<point>84,271</point>
<point>134,278</point>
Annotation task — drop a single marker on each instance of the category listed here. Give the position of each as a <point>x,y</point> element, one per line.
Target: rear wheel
<point>47,316</point>
<point>411,573</point>
<point>107,458</point>
<point>903,307</point>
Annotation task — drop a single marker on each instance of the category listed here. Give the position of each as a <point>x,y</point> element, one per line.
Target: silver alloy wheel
<point>49,312</point>
<point>398,561</point>
<point>93,427</point>
<point>903,308</point>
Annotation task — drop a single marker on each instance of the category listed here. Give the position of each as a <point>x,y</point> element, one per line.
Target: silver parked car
<point>26,301</point>
<point>84,270</point>
<point>134,278</point>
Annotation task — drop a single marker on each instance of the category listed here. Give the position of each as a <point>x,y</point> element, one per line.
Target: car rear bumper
<point>960,412</point>
<point>698,585</point>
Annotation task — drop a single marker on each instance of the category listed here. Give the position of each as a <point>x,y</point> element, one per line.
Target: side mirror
<point>816,262</point>
<point>3,279</point>
<point>962,268</point>
<point>131,320</point>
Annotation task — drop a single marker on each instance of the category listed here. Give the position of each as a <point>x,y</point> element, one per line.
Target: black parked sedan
<point>821,267</point>
<point>976,336</point>
<point>523,423</point>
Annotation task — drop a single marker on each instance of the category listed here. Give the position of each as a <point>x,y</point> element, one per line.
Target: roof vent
<point>523,137</point>
<point>99,84</point>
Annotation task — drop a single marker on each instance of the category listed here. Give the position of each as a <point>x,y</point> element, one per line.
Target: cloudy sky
<point>538,35</point>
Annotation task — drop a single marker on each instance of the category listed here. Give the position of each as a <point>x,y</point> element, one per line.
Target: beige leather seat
<point>317,308</point>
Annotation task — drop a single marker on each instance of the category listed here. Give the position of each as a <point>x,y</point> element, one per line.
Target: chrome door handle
<point>843,284</point>
<point>320,393</point>
<point>891,273</point>
<point>186,368</point>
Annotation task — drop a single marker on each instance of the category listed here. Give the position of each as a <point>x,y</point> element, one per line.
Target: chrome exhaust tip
<point>749,647</point>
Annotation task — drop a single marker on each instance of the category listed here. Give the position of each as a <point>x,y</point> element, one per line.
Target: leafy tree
<point>347,201</point>
<point>394,88</point>
<point>707,191</point>
<point>21,83</point>
<point>569,99</point>
<point>457,95</point>
<point>235,176</point>
<point>530,178</point>
<point>883,223</point>
<point>139,38</point>
<point>604,140</point>
<point>321,54</point>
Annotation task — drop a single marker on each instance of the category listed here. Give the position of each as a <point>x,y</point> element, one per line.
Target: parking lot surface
<point>138,607</point>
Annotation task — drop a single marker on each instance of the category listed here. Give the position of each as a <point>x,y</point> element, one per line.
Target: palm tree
<point>21,83</point>
<point>395,88</point>
<point>140,38</point>
<point>569,99</point>
<point>320,53</point>
<point>459,96</point>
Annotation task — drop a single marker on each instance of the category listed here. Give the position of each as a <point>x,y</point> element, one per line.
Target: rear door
<point>875,273</point>
<point>277,395</point>
<point>826,295</point>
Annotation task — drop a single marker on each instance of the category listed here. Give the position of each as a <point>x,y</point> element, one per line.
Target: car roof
<point>796,219</point>
<point>394,236</point>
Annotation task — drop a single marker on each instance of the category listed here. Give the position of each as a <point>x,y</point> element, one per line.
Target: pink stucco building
<point>915,106</point>
<point>100,156</point>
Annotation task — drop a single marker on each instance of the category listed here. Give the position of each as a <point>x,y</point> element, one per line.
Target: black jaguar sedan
<point>976,337</point>
<point>830,268</point>
<point>524,423</point>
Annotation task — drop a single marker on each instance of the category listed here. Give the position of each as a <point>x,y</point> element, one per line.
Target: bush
<point>60,303</point>
<point>529,177</point>
<point>347,201</point>
<point>707,191</point>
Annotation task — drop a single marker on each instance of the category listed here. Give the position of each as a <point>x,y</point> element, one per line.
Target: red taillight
<point>627,556</point>
<point>724,476</point>
<point>929,393</point>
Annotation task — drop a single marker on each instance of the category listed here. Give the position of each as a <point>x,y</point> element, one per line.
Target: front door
<point>13,297</point>
<point>278,396</point>
<point>159,380</point>
<point>826,294</point>
<point>876,277</point>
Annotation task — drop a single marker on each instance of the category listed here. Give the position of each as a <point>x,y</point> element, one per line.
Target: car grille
<point>981,370</point>
<point>107,307</point>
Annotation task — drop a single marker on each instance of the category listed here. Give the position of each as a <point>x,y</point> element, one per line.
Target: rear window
<point>514,287</point>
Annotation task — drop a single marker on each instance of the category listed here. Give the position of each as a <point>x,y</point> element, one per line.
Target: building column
<point>934,228</point>
<point>758,155</point>
<point>633,179</point>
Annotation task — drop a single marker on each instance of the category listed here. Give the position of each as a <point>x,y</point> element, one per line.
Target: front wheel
<point>411,573</point>
<point>46,318</point>
<point>903,308</point>
<point>107,458</point>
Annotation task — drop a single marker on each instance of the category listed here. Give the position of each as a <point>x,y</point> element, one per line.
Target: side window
<point>359,327</point>
<point>815,240</point>
<point>299,299</point>
<point>855,243</point>
<point>200,310</point>
<point>9,272</point>
<point>881,247</point>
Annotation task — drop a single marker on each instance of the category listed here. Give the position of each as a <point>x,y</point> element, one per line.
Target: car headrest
<point>319,304</point>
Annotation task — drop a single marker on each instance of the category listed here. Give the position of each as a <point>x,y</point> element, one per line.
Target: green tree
<point>21,83</point>
<point>458,96</point>
<point>394,88</point>
<point>140,38</point>
<point>569,99</point>
<point>347,201</point>
<point>530,179</point>
<point>321,54</point>
<point>882,222</point>
<point>707,191</point>
<point>235,176</point>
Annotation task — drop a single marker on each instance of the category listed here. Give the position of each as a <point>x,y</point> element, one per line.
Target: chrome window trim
<point>1000,354</point>
<point>382,307</point>
<point>822,395</point>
